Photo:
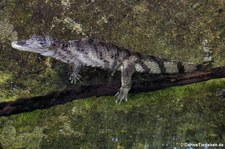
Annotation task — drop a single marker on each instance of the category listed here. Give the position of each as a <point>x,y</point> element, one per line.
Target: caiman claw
<point>122,95</point>
<point>74,78</point>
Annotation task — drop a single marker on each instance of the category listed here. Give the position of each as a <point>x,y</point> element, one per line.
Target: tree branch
<point>105,89</point>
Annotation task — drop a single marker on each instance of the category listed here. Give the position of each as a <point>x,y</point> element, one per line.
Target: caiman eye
<point>65,45</point>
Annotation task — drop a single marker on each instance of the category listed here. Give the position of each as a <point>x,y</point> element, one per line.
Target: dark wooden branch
<point>105,89</point>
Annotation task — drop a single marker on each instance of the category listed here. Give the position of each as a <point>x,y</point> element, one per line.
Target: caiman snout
<point>14,44</point>
<point>19,45</point>
<point>21,42</point>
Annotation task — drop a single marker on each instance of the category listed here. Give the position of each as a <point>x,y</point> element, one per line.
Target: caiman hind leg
<point>127,70</point>
<point>74,76</point>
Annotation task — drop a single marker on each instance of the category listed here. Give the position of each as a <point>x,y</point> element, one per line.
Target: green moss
<point>183,111</point>
<point>4,77</point>
<point>28,118</point>
<point>168,29</point>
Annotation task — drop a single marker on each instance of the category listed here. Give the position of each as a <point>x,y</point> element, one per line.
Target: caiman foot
<point>74,78</point>
<point>122,95</point>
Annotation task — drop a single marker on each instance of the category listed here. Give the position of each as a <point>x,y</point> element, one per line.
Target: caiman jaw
<point>37,44</point>
<point>19,45</point>
<point>23,46</point>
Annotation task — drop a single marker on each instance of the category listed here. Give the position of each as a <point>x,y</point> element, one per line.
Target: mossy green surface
<point>170,29</point>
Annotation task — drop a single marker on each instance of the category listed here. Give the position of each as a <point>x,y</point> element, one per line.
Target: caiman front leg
<point>74,76</point>
<point>127,70</point>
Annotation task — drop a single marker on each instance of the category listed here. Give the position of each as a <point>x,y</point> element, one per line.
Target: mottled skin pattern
<point>95,53</point>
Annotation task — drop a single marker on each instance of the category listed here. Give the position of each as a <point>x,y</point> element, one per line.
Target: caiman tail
<point>156,65</point>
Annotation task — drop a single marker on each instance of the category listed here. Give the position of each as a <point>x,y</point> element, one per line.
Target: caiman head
<point>37,44</point>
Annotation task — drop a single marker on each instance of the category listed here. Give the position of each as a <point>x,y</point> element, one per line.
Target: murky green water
<point>169,118</point>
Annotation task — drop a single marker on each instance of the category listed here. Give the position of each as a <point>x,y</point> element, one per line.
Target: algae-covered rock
<point>7,32</point>
<point>170,29</point>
